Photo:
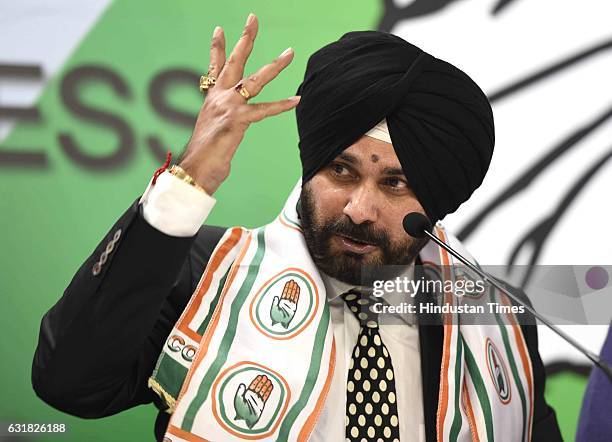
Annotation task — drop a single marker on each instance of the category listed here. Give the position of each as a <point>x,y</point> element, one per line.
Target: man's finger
<point>217,52</point>
<point>255,82</point>
<point>234,66</point>
<point>258,111</point>
<point>267,390</point>
<point>259,385</point>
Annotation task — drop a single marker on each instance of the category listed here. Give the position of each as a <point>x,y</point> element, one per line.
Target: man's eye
<point>397,183</point>
<point>339,169</point>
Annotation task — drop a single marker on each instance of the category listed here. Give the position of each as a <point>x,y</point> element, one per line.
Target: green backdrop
<point>53,217</point>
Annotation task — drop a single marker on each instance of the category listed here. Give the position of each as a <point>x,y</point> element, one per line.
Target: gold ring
<point>206,82</point>
<point>242,90</point>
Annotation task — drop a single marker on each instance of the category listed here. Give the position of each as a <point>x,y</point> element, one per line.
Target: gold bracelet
<point>180,173</point>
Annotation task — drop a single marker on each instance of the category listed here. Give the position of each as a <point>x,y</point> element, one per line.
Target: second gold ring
<point>242,90</point>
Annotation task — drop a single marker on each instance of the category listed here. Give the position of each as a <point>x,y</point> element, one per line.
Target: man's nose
<point>362,205</point>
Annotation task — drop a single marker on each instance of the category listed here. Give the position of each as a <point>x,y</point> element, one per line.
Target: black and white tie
<point>371,402</point>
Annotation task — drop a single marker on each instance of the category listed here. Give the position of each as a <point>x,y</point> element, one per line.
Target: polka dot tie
<point>371,405</point>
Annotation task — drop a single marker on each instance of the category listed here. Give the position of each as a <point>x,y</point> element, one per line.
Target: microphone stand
<point>493,281</point>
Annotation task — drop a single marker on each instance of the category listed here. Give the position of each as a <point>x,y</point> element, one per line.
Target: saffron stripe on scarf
<point>205,342</point>
<point>443,395</point>
<point>176,431</point>
<point>284,220</point>
<point>205,281</point>
<point>228,337</point>
<point>314,416</point>
<point>311,377</point>
<point>469,411</point>
<point>168,375</point>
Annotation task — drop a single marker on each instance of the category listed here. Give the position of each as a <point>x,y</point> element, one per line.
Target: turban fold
<point>440,121</point>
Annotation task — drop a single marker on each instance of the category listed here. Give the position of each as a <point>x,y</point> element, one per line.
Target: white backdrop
<point>497,50</point>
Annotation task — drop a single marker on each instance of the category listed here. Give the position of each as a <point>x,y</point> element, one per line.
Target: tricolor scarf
<point>252,355</point>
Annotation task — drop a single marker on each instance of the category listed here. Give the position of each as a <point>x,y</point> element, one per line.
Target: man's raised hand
<point>225,114</point>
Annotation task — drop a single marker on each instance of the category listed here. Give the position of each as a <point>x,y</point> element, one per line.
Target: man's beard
<point>353,268</point>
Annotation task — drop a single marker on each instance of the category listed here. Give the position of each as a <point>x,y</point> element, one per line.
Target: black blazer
<point>99,343</point>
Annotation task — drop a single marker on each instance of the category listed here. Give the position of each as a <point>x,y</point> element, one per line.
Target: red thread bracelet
<point>159,171</point>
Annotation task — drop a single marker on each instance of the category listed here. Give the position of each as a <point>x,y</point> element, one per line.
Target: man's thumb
<point>274,306</point>
<point>241,390</point>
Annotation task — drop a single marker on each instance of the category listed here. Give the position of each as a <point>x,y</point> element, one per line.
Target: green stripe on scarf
<point>311,377</point>
<point>228,337</point>
<point>170,375</point>
<point>213,304</point>
<point>481,391</point>
<point>515,375</point>
<point>457,420</point>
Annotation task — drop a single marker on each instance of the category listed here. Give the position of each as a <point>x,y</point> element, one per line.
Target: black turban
<point>439,120</point>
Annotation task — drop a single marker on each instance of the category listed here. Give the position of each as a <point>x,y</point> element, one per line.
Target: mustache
<point>364,233</point>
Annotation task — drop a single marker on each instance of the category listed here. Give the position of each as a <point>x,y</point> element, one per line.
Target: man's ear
<point>298,208</point>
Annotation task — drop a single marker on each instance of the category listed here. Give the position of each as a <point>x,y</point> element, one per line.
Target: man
<point>240,333</point>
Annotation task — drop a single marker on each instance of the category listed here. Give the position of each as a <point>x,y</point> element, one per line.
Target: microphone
<point>418,225</point>
<point>415,224</point>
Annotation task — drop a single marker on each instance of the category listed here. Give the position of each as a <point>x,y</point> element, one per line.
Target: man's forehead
<point>371,150</point>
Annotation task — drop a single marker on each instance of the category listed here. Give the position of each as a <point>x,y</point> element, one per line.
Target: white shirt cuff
<point>175,207</point>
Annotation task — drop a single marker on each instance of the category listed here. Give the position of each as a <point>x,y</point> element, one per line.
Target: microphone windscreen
<point>415,224</point>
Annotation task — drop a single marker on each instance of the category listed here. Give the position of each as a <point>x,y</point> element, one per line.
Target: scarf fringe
<point>168,399</point>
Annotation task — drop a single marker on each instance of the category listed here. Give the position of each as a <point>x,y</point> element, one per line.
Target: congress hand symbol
<point>250,402</point>
<point>283,309</point>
